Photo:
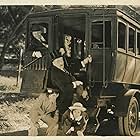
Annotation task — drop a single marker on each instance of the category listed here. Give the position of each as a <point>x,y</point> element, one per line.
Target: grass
<point>9,84</point>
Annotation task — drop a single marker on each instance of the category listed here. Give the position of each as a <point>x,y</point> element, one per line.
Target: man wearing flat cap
<point>44,109</point>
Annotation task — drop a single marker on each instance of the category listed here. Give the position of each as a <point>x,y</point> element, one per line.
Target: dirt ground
<point>14,114</point>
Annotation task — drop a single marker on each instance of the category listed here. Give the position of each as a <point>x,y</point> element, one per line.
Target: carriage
<point>112,37</point>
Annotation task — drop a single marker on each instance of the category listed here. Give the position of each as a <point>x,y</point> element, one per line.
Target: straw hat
<point>77,106</point>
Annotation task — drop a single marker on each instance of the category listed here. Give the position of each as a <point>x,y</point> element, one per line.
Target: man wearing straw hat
<point>75,120</point>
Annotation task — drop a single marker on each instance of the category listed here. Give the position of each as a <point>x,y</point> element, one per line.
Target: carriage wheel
<point>128,124</point>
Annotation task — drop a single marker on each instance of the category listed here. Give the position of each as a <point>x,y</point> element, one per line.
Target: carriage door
<point>36,57</point>
<point>101,50</point>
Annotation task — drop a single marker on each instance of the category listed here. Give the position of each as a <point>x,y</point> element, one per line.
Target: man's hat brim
<point>77,108</point>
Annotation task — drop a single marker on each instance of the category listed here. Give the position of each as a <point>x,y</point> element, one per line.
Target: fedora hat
<point>77,106</point>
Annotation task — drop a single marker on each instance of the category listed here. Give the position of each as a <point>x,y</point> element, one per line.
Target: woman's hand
<point>62,51</point>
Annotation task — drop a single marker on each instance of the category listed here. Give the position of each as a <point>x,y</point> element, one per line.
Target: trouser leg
<point>52,130</point>
<point>33,130</point>
<point>64,101</point>
<point>34,117</point>
<point>52,123</point>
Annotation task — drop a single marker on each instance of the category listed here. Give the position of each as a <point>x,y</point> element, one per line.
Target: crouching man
<point>44,109</point>
<point>75,120</point>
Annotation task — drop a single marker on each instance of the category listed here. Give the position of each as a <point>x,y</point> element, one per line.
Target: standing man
<point>44,109</point>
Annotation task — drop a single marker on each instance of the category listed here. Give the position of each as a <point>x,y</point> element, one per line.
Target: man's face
<point>76,113</point>
<point>59,63</point>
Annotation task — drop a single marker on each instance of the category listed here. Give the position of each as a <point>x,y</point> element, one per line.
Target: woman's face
<point>67,40</point>
<point>67,43</point>
<point>76,113</point>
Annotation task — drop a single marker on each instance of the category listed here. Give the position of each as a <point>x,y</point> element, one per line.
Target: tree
<point>12,21</point>
<point>11,16</point>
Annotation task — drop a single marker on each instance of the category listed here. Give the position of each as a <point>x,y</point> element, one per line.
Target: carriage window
<point>121,36</point>
<point>98,32</point>
<point>108,34</point>
<point>131,40</point>
<point>72,36</point>
<point>138,43</point>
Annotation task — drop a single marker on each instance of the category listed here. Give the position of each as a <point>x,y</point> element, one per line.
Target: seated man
<point>65,82</point>
<point>75,120</point>
<point>44,109</point>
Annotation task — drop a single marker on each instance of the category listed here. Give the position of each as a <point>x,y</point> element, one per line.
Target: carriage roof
<point>95,11</point>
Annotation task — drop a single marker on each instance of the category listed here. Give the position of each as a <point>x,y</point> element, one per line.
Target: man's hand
<point>77,83</point>
<point>87,60</point>
<point>70,130</point>
<point>57,112</point>
<point>80,133</point>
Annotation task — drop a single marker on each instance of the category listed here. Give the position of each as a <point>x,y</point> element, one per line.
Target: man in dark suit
<point>39,42</point>
<point>65,82</point>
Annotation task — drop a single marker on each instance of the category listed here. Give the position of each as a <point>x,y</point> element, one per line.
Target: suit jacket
<point>62,81</point>
<point>36,45</point>
<point>72,65</point>
<point>68,121</point>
